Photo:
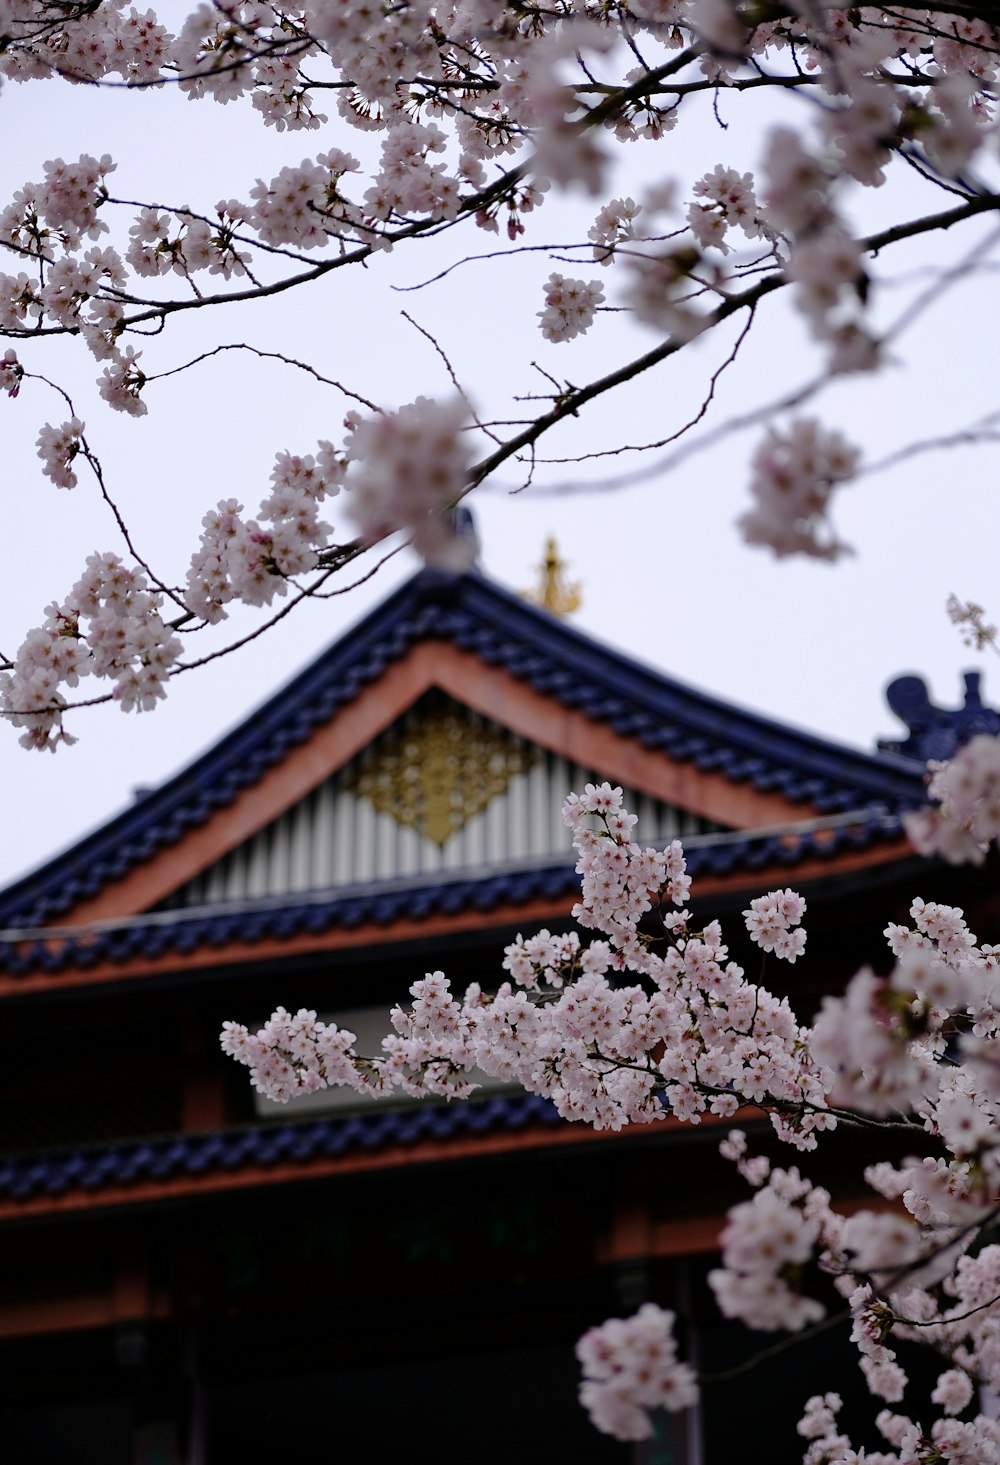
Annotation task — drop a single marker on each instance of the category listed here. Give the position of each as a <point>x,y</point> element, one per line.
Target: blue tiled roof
<point>190,930</point>
<point>93,1167</point>
<point>475,615</point>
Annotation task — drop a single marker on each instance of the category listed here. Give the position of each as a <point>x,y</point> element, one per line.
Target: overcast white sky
<point>664,574</point>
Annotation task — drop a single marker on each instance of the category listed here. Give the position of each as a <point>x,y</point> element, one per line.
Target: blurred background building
<point>191,1274</point>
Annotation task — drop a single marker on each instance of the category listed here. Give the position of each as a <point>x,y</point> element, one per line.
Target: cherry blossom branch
<point>83,448</point>
<point>442,354</point>
<point>266,356</point>
<point>579,397</point>
<point>974,435</point>
<point>938,1322</point>
<point>775,1350</point>
<point>681,431</point>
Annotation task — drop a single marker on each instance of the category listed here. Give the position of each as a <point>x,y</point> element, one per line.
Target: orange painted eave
<point>438,926</point>
<point>487,690</point>
<point>249,1177</point>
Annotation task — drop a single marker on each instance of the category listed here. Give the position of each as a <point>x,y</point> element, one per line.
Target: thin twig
<point>266,356</point>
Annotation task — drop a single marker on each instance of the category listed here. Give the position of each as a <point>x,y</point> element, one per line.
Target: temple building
<point>190,1274</point>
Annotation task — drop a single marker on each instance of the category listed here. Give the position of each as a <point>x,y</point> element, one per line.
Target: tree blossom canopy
<point>651,1018</point>
<point>449,120</point>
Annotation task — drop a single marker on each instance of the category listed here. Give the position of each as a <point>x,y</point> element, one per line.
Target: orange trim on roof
<point>371,934</point>
<point>488,690</point>
<point>397,1156</point>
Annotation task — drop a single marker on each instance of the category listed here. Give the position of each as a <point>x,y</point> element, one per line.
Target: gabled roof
<point>471,620</point>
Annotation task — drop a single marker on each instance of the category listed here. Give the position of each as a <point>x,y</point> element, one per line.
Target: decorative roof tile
<point>191,929</point>
<point>937,732</point>
<point>93,1167</point>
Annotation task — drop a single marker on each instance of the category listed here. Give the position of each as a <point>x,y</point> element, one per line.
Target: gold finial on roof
<point>553,593</point>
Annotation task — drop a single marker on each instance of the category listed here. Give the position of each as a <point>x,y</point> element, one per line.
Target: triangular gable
<point>442,793</point>
<point>517,668</point>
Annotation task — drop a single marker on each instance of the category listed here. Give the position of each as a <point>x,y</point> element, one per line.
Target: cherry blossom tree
<point>461,123</point>
<point>652,1017</point>
<point>465,121</point>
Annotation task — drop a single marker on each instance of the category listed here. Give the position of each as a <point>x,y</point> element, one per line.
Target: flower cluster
<point>965,816</point>
<point>766,1242</point>
<point>408,470</point>
<point>57,448</point>
<point>304,205</point>
<point>825,261</point>
<point>794,475</point>
<point>569,307</point>
<point>630,1368</point>
<point>661,288</point>
<point>408,182</point>
<point>879,1048</point>
<point>614,225</point>
<point>85,45</point>
<point>971,1443</point>
<point>729,201</point>
<point>976,630</point>
<point>253,560</point>
<point>11,373</point>
<point>770,920</point>
<point>72,194</point>
<point>122,382</point>
<point>819,1424</point>
<point>108,626</point>
<point>183,244</point>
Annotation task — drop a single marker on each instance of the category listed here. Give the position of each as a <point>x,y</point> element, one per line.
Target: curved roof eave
<point>817,846</point>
